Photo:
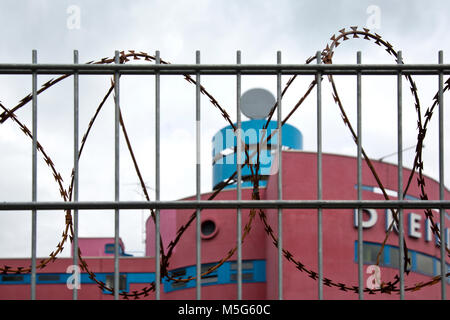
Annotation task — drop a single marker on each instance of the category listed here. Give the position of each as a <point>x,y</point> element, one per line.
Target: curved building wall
<point>300,236</point>
<point>260,260</point>
<point>340,230</point>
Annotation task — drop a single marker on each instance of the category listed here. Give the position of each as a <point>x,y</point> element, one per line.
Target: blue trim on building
<point>414,257</point>
<point>225,274</point>
<point>59,278</point>
<point>386,256</point>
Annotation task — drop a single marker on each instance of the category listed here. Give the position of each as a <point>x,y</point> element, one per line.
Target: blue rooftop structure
<point>224,150</point>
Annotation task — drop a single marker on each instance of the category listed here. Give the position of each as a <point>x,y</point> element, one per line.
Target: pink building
<point>99,247</point>
<point>259,253</point>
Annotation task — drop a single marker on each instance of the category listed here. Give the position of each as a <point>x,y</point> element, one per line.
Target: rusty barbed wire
<point>57,176</point>
<point>327,58</point>
<point>327,55</point>
<point>83,264</point>
<point>418,163</point>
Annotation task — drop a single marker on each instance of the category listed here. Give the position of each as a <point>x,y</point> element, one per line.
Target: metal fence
<point>197,69</point>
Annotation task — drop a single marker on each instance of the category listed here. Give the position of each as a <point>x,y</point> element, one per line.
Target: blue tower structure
<point>224,153</point>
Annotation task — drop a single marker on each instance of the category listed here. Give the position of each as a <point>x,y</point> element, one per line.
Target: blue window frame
<point>14,279</point>
<point>109,249</point>
<point>109,282</point>
<point>420,262</point>
<point>61,278</point>
<point>252,271</point>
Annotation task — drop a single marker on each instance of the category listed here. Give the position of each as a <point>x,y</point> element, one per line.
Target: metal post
<point>116,177</point>
<point>34,179</point>
<point>197,144</point>
<point>441,177</point>
<point>239,177</point>
<point>400,176</point>
<point>75,165</point>
<point>280,185</point>
<point>359,178</point>
<point>319,177</point>
<point>157,178</point>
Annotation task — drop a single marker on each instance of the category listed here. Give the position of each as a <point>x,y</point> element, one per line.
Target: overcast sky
<point>178,28</point>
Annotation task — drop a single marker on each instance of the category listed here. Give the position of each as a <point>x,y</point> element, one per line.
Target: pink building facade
<point>260,260</point>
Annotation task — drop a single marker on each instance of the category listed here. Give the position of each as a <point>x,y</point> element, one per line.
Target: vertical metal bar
<point>157,178</point>
<point>359,178</point>
<point>75,165</point>
<point>400,175</point>
<point>280,185</point>
<point>116,177</point>
<point>34,180</point>
<point>441,177</point>
<point>239,177</point>
<point>198,181</point>
<point>319,177</point>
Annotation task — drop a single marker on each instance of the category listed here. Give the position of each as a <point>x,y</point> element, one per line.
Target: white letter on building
<point>428,231</point>
<point>414,225</point>
<point>368,223</point>
<point>389,220</point>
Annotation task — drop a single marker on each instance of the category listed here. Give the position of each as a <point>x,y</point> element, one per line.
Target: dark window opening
<point>394,257</point>
<point>208,227</point>
<point>424,264</point>
<point>12,278</point>
<point>370,253</point>
<point>109,248</point>
<point>245,276</point>
<point>178,284</point>
<point>246,265</point>
<point>122,281</point>
<point>205,267</point>
<point>209,279</point>
<point>48,277</point>
<point>178,273</point>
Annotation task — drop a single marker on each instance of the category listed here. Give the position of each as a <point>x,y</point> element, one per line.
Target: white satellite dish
<point>256,103</point>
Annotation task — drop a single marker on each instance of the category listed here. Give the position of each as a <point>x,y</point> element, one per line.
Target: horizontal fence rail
<point>228,204</point>
<point>231,69</point>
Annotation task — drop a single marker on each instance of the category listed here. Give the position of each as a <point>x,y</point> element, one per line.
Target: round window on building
<point>208,229</point>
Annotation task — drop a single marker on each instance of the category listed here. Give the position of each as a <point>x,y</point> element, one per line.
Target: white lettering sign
<point>369,223</point>
<point>414,225</point>
<point>390,220</point>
